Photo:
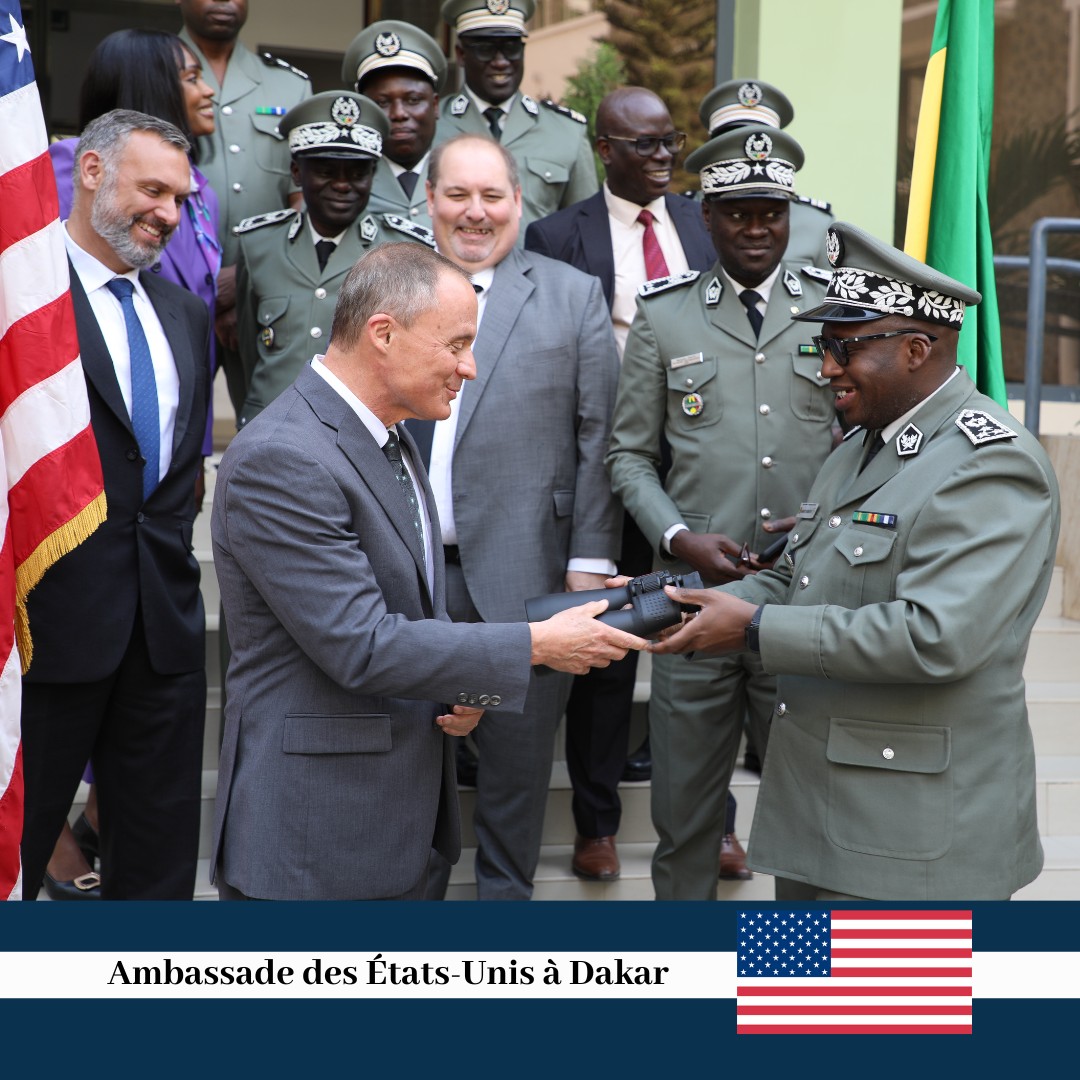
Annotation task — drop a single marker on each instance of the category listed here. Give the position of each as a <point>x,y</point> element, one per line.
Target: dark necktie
<point>145,420</point>
<point>494,116</point>
<point>407,180</point>
<point>323,250</point>
<point>392,450</point>
<point>655,264</point>
<point>750,300</point>
<point>872,453</point>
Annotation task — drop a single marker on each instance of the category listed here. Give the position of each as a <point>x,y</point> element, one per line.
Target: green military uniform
<point>246,160</point>
<point>901,765</point>
<point>286,303</point>
<point>754,101</point>
<point>390,45</point>
<point>549,142</point>
<point>749,422</point>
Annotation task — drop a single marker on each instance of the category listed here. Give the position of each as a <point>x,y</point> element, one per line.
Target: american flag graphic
<point>854,972</point>
<point>53,495</point>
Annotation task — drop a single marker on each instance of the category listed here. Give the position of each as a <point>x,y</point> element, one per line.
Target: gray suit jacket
<point>334,781</point>
<point>530,491</point>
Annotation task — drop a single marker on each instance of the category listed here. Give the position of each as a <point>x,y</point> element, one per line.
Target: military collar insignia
<point>259,220</point>
<point>713,291</point>
<point>658,285</point>
<point>909,441</point>
<point>982,428</point>
<point>529,105</point>
<point>459,106</point>
<point>388,44</point>
<point>818,204</point>
<point>750,95</point>
<point>410,228</point>
<point>368,229</point>
<point>294,228</point>
<point>817,274</point>
<point>272,61</point>
<point>792,283</point>
<point>854,431</point>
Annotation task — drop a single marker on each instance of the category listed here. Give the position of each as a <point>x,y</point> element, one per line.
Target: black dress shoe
<point>467,764</point>
<point>638,765</point>
<point>87,838</point>
<point>84,887</point>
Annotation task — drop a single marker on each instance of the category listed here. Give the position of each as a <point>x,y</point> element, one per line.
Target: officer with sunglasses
<point>900,762</point>
<point>549,141</point>
<point>715,367</point>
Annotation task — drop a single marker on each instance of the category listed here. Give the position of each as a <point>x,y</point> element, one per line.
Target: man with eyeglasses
<point>630,231</point>
<point>901,764</point>
<point>549,141</point>
<point>715,368</point>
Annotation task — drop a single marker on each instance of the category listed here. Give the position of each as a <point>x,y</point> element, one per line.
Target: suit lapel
<point>694,237</point>
<point>510,292</point>
<point>301,253</point>
<point>593,238</point>
<point>518,122</point>
<point>97,364</point>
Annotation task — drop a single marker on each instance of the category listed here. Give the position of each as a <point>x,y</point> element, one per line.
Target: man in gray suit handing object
<point>336,780</point>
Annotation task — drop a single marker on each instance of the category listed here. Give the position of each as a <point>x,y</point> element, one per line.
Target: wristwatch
<point>752,628</point>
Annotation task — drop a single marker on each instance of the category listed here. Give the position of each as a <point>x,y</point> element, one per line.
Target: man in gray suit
<point>900,763</point>
<point>518,474</point>
<point>336,780</point>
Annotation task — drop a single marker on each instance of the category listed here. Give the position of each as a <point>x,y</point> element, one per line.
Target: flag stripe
<point>855,1010</point>
<point>855,1029</point>
<point>22,124</point>
<point>37,347</point>
<point>33,273</point>
<point>29,196</point>
<point>947,918</point>
<point>787,990</point>
<point>921,932</point>
<point>918,954</point>
<point>891,972</point>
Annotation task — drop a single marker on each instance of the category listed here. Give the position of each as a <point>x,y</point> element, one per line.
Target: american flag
<point>49,461</point>
<point>854,972</point>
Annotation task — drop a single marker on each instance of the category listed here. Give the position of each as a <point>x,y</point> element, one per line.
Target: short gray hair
<point>107,135</point>
<point>435,161</point>
<point>400,280</point>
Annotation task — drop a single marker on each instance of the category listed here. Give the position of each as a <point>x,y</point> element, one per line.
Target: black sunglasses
<point>485,51</point>
<point>646,145</point>
<point>838,347</point>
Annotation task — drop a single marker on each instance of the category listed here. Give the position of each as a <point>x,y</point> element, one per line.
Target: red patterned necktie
<point>655,263</point>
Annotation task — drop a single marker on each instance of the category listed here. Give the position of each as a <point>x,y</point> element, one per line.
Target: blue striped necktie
<point>145,420</point>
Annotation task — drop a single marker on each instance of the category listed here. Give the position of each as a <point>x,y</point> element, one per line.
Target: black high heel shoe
<point>84,887</point>
<point>87,838</point>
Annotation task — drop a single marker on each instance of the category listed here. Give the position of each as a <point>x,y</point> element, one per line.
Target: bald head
<point>624,116</point>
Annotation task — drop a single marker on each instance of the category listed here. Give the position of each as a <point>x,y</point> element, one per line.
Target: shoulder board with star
<point>275,217</point>
<point>854,431</point>
<point>410,228</point>
<point>982,428</point>
<point>817,204</point>
<point>554,106</point>
<point>662,284</point>
<point>272,61</point>
<point>817,273</point>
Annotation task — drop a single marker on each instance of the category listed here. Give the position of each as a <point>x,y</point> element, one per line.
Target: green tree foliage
<point>597,76</point>
<point>668,46</point>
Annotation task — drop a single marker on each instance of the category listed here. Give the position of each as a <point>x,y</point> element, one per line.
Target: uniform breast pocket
<point>811,398</point>
<point>890,789</point>
<point>551,172</point>
<point>694,398</point>
<point>868,576</point>
<point>273,330</point>
<point>271,149</point>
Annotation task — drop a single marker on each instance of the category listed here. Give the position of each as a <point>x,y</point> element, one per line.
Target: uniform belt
<point>451,554</point>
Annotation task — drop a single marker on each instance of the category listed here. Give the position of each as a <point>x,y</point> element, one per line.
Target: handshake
<point>579,630</point>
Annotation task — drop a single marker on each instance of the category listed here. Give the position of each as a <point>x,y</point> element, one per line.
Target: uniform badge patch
<point>758,147</point>
<point>388,44</point>
<point>529,105</point>
<point>693,404</point>
<point>869,517</point>
<point>808,509</point>
<point>459,106</point>
<point>410,228</point>
<point>554,106</point>
<point>294,228</point>
<point>661,284</point>
<point>982,428</point>
<point>345,112</point>
<point>792,283</point>
<point>368,229</point>
<point>259,220</point>
<point>266,336</point>
<point>817,274</point>
<point>833,247</point>
<point>909,441</point>
<point>750,95</point>
<point>685,361</point>
<point>498,7</point>
<point>713,291</point>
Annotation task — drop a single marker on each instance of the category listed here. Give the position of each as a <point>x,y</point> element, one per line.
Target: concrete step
<point>1054,651</point>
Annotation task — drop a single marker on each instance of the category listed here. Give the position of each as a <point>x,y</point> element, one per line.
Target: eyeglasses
<point>485,51</point>
<point>646,145</point>
<point>837,347</point>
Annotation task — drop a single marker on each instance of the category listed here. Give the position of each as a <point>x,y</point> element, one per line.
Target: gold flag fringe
<point>32,569</point>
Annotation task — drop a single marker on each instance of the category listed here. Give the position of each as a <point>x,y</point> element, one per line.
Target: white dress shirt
<point>627,249</point>
<point>381,435</point>
<point>95,277</point>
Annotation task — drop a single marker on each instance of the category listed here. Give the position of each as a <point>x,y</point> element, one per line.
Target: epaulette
<point>817,273</point>
<point>847,434</point>
<point>410,228</point>
<point>272,61</point>
<point>554,106</point>
<point>982,428</point>
<point>274,217</point>
<point>817,204</point>
<point>673,281</point>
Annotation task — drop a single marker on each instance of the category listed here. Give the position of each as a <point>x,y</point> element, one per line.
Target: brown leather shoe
<point>595,859</point>
<point>733,860</point>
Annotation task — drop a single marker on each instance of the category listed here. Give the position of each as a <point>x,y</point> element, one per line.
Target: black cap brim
<point>337,155</point>
<point>492,32</point>
<point>833,312</point>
